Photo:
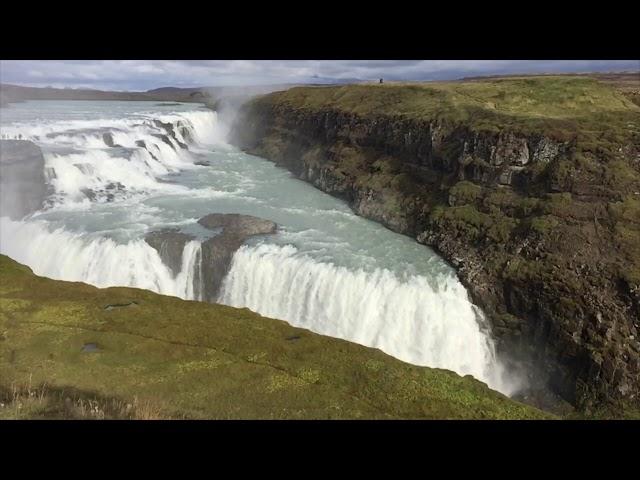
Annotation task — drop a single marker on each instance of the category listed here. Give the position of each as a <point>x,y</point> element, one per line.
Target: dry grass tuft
<point>45,402</point>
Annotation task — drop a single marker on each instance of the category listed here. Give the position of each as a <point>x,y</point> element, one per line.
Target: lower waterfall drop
<point>409,319</point>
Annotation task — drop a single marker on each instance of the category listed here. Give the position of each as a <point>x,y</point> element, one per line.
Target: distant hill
<point>13,93</point>
<point>208,95</point>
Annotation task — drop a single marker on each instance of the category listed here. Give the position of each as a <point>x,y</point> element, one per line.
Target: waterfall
<point>424,319</point>
<point>406,318</point>
<point>97,260</point>
<point>105,159</point>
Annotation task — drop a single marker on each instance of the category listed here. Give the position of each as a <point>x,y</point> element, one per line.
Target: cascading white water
<point>403,302</point>
<point>79,163</point>
<point>88,132</point>
<point>409,319</point>
<point>204,125</point>
<point>188,280</point>
<point>79,160</point>
<point>72,174</point>
<point>100,261</point>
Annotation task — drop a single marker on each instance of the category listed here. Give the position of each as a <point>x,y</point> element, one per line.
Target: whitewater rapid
<point>119,176</point>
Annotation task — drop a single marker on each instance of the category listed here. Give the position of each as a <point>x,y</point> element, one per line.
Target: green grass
<point>27,401</point>
<point>546,97</point>
<point>561,106</point>
<point>626,215</point>
<point>544,224</point>
<point>171,358</point>
<point>467,221</point>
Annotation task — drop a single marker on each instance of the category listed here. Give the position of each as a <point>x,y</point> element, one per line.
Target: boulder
<point>218,251</point>
<point>243,225</point>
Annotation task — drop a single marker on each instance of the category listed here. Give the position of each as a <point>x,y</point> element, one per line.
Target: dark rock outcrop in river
<point>22,181</point>
<point>536,203</point>
<point>169,243</point>
<point>243,226</point>
<point>218,251</point>
<point>170,129</point>
<point>231,230</point>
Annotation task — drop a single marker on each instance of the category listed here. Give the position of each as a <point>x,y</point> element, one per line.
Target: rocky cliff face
<point>544,233</point>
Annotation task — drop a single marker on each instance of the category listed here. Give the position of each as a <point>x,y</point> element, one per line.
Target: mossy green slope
<point>560,106</point>
<point>198,360</point>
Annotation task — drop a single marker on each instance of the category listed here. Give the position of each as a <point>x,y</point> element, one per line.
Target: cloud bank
<point>140,75</point>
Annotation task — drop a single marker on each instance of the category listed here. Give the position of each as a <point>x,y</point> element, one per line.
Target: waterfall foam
<point>105,158</point>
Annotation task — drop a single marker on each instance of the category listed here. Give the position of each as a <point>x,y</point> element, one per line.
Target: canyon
<point>529,187</point>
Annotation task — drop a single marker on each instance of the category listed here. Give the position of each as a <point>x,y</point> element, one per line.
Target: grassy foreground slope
<point>162,357</point>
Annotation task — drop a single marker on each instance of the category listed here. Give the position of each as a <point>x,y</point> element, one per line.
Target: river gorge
<point>126,187</point>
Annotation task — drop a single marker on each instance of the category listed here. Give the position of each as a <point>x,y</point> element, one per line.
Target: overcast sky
<point>148,74</point>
